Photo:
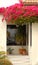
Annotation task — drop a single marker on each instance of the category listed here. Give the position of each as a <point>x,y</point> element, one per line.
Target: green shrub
<point>5,62</point>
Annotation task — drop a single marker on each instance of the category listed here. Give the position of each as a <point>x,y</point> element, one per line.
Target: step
<point>19,60</point>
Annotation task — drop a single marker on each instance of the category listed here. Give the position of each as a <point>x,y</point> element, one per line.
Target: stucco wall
<point>34,43</point>
<point>2,34</point>
<point>33,51</point>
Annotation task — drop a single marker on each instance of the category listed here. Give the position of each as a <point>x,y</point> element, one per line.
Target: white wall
<point>34,43</point>
<point>2,34</point>
<point>33,51</point>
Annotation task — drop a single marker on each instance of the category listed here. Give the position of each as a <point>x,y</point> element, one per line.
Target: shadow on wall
<point>36,63</point>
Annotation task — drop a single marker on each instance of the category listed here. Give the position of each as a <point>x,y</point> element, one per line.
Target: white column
<point>34,43</point>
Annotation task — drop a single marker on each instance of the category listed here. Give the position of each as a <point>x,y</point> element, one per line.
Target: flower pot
<point>23,51</point>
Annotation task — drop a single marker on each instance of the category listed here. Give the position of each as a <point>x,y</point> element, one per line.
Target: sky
<point>5,3</point>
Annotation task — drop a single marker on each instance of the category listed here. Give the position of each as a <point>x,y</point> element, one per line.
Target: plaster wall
<point>2,34</point>
<point>33,50</point>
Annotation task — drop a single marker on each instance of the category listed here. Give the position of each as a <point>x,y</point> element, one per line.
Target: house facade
<point>33,50</point>
<point>32,44</point>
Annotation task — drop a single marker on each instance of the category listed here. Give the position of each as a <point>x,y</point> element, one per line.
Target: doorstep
<point>19,60</point>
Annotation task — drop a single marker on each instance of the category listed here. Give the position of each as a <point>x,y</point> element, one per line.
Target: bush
<point>5,62</point>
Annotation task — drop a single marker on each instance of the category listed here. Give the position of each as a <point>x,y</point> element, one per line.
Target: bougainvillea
<point>2,10</point>
<point>21,14</point>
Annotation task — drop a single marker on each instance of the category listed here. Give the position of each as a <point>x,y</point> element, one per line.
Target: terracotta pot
<point>23,51</point>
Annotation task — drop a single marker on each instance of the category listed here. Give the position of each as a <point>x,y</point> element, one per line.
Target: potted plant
<point>9,50</point>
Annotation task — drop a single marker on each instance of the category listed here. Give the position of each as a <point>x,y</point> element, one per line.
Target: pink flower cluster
<point>17,11</point>
<point>2,10</point>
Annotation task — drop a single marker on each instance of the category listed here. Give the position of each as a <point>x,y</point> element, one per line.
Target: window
<point>17,39</point>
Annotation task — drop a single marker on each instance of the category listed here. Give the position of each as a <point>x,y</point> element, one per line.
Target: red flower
<point>2,10</point>
<point>17,10</point>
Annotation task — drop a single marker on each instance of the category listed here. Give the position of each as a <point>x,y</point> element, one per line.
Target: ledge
<point>31,3</point>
